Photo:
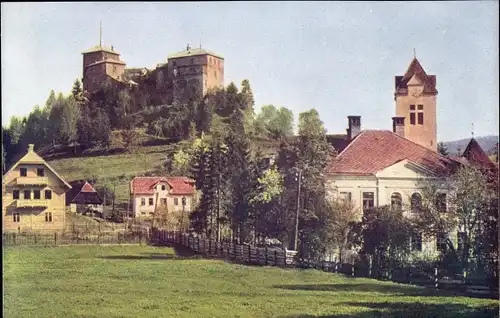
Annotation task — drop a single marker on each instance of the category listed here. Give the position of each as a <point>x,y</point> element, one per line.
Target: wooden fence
<point>277,257</point>
<point>241,253</point>
<point>57,239</point>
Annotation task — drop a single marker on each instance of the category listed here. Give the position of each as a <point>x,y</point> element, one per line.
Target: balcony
<point>21,203</point>
<point>32,181</point>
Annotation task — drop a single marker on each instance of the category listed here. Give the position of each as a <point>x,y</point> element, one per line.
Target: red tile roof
<point>374,150</point>
<point>179,185</point>
<point>416,68</point>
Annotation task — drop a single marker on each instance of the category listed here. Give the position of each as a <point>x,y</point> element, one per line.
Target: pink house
<point>149,193</point>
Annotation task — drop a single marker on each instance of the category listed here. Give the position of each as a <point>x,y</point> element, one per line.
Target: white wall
<point>402,177</point>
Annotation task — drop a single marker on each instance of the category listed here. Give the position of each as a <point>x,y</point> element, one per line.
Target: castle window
<point>412,118</point>
<point>396,200</point>
<point>23,171</point>
<point>345,196</point>
<point>27,194</point>
<point>16,217</point>
<point>36,194</point>
<point>15,194</point>
<point>143,201</point>
<point>420,107</point>
<point>48,217</point>
<point>174,63</point>
<point>416,202</point>
<point>151,202</point>
<point>191,61</point>
<point>40,172</point>
<point>412,107</point>
<point>368,200</point>
<point>176,201</point>
<point>420,118</point>
<point>48,194</point>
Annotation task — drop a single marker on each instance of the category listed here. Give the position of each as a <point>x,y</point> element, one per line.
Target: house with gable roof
<point>33,196</point>
<point>383,167</point>
<point>149,193</point>
<point>83,197</point>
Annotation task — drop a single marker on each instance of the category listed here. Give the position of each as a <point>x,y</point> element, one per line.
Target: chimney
<point>398,126</point>
<point>31,147</point>
<point>354,126</point>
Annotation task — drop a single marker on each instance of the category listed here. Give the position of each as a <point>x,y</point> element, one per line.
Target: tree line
<point>85,121</point>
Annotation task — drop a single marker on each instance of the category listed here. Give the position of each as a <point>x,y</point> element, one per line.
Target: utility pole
<point>298,178</point>
<point>182,217</point>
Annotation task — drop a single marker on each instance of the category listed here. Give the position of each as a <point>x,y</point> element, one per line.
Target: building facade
<point>33,196</point>
<point>380,168</point>
<point>190,73</point>
<point>148,194</point>
<point>83,198</point>
<point>100,64</point>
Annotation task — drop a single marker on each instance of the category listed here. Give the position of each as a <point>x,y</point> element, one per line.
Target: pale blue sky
<point>338,57</point>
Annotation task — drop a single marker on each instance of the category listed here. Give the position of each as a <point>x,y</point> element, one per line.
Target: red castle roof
<point>145,185</point>
<point>415,68</point>
<point>374,150</point>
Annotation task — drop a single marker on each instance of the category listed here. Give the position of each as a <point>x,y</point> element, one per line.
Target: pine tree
<point>84,128</point>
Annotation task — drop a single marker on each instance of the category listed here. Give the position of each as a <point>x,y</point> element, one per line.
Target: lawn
<point>145,281</point>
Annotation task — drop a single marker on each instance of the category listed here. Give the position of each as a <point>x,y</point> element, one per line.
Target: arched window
<point>396,200</point>
<point>416,202</point>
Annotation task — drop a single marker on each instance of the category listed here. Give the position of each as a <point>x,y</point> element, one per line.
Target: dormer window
<point>24,172</point>
<point>40,172</point>
<point>163,187</point>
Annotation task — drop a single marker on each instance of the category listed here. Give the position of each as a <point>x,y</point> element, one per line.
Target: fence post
<point>352,270</point>
<point>410,273</point>
<point>234,251</point>
<point>265,256</point>
<point>14,238</point>
<point>370,267</point>
<point>249,254</point>
<point>35,238</point>
<point>436,277</point>
<point>275,257</point>
<point>198,242</point>
<point>55,238</point>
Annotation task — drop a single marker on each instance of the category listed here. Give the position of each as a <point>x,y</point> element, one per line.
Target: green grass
<point>144,281</point>
<point>140,160</point>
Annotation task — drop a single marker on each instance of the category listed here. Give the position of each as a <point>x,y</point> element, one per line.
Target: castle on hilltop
<point>188,73</point>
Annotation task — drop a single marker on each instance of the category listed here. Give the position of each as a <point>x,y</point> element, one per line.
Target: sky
<point>337,57</point>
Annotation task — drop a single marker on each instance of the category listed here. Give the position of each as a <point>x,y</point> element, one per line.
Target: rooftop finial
<point>414,53</point>
<point>472,133</point>
<point>188,47</point>
<point>100,33</point>
<point>200,43</point>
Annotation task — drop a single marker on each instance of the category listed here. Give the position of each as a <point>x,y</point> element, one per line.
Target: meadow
<point>146,281</point>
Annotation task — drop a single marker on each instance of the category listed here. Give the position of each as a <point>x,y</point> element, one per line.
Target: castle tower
<point>415,95</point>
<point>193,72</point>
<point>99,64</point>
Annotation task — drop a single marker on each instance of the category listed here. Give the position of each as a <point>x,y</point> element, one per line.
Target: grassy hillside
<point>144,281</point>
<point>114,162</point>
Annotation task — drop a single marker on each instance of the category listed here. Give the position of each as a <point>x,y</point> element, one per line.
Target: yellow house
<point>33,196</point>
